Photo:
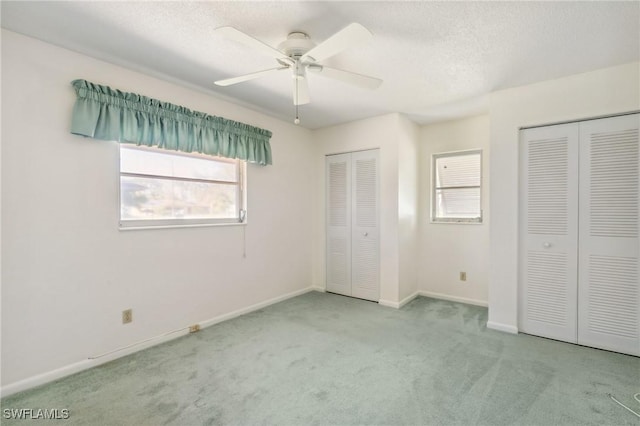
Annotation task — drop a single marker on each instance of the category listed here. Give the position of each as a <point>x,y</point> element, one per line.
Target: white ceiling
<point>438,60</point>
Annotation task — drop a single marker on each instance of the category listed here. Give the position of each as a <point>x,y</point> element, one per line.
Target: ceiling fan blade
<point>349,36</point>
<point>247,77</point>
<point>236,35</point>
<point>359,80</point>
<point>300,91</point>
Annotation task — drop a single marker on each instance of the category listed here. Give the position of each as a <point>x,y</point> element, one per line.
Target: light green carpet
<point>327,359</point>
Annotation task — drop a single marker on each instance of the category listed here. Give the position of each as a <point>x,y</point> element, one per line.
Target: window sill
<point>173,226</point>
<point>444,222</point>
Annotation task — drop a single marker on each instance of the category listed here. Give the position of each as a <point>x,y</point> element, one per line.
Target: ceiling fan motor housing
<point>296,45</point>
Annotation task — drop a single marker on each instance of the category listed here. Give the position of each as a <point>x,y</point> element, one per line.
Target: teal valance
<point>108,114</point>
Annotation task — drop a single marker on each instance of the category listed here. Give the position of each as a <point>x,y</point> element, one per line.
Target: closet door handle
<point>366,234</point>
<point>546,245</point>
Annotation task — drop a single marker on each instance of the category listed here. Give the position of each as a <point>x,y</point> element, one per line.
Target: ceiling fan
<point>301,55</point>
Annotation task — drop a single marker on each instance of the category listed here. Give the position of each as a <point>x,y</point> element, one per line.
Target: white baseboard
<point>49,376</point>
<point>88,363</point>
<point>502,327</point>
<point>257,306</point>
<point>490,324</point>
<point>389,303</point>
<point>85,364</point>
<point>399,304</point>
<point>433,295</point>
<point>450,298</point>
<point>408,299</point>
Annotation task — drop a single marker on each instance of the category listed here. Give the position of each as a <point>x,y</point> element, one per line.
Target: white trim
<point>349,152</point>
<point>502,327</point>
<point>432,295</point>
<point>86,364</point>
<point>597,117</point>
<point>408,299</point>
<point>389,303</point>
<point>399,304</point>
<point>450,298</point>
<point>91,362</point>
<point>50,376</point>
<point>189,225</point>
<point>242,311</point>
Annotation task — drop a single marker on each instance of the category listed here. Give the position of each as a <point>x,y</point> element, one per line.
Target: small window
<point>167,188</point>
<point>457,178</point>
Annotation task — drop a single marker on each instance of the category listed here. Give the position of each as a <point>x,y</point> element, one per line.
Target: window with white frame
<point>170,188</point>
<point>457,187</point>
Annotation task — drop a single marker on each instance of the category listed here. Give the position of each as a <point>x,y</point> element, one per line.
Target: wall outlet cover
<point>127,316</point>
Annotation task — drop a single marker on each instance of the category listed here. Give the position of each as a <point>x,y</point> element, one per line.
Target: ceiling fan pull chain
<point>297,119</point>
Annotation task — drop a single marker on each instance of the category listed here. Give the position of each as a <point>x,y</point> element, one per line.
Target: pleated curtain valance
<point>104,113</point>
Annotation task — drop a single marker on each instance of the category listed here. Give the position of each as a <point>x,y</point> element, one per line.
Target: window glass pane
<point>457,180</point>
<point>458,170</point>
<point>147,198</point>
<point>458,203</point>
<point>142,161</point>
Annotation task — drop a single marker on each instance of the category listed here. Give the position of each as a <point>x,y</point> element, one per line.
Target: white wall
<point>446,249</point>
<point>68,272</point>
<point>408,141</point>
<point>601,92</point>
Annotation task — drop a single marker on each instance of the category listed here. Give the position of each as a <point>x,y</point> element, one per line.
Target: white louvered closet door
<point>609,289</point>
<point>353,236</point>
<point>549,232</point>
<point>338,201</point>
<point>365,230</point>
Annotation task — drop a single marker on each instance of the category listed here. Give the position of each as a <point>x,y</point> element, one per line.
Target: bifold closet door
<point>353,242</point>
<point>579,233</point>
<point>365,236</point>
<point>549,232</point>
<point>338,243</point>
<point>609,288</point>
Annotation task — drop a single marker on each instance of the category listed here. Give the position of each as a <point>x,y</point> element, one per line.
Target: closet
<point>578,232</point>
<point>353,229</point>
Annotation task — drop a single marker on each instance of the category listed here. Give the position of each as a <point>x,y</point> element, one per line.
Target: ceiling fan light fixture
<point>299,71</point>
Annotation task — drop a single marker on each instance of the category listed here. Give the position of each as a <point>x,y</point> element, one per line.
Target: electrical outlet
<point>127,316</point>
<point>463,276</point>
<point>194,328</point>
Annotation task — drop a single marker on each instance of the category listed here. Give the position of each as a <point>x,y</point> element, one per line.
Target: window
<point>457,178</point>
<point>167,188</point>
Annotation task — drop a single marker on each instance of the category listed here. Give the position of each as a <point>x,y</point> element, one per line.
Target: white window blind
<point>457,187</point>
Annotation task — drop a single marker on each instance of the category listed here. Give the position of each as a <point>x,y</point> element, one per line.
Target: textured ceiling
<point>438,60</point>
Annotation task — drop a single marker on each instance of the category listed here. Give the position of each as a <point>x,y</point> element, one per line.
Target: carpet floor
<point>325,359</point>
